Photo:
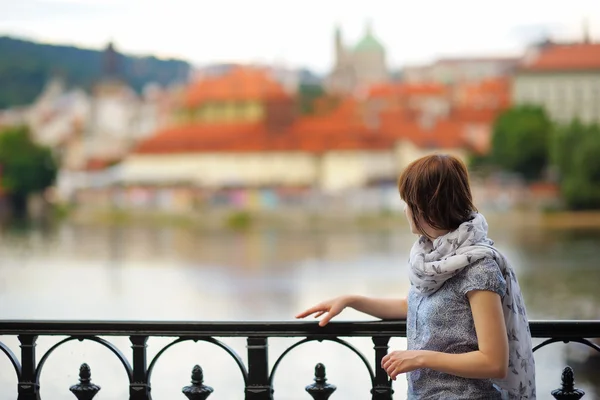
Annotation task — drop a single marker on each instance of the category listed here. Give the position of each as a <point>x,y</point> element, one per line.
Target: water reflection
<point>116,272</point>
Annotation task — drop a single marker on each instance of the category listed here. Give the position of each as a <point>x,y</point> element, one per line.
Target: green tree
<point>26,168</point>
<point>575,152</point>
<point>25,67</point>
<point>564,144</point>
<point>520,141</point>
<point>307,94</point>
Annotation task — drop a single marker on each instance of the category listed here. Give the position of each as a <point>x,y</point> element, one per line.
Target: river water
<point>177,273</point>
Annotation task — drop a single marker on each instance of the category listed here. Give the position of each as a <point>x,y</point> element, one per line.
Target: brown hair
<point>436,189</point>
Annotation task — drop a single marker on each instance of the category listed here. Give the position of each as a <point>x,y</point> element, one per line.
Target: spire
<point>337,36</point>
<point>338,44</point>
<point>586,31</point>
<point>369,27</point>
<point>338,31</point>
<point>111,61</point>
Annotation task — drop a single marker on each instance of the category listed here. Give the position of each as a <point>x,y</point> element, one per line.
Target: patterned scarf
<point>434,262</point>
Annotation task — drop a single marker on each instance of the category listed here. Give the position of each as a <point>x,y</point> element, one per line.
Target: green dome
<point>369,42</point>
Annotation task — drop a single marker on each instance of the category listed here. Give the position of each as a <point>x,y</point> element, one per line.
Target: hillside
<point>26,66</point>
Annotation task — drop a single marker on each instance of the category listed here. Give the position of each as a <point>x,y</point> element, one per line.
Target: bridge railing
<point>258,375</point>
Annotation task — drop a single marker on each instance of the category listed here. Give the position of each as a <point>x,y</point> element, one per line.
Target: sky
<point>299,33</point>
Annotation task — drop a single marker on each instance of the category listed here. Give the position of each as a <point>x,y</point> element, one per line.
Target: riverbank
<point>229,219</point>
<point>300,220</point>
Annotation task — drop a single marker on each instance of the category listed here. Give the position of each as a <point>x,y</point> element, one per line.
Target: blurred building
<point>236,136</point>
<point>357,67</point>
<point>243,130</point>
<point>459,70</point>
<point>470,108</point>
<point>428,100</point>
<point>563,78</point>
<point>90,130</point>
<point>58,115</point>
<point>240,141</point>
<point>291,78</point>
<point>14,116</point>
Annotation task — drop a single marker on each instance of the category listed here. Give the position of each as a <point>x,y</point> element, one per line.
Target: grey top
<point>443,322</point>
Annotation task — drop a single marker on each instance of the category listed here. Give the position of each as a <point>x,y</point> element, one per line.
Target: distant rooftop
<point>565,57</point>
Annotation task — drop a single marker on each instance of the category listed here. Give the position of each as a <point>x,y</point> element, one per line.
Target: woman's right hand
<point>329,308</point>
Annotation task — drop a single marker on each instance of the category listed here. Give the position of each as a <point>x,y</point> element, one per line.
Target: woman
<point>467,327</point>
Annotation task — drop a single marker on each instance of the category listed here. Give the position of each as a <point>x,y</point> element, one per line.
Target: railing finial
<point>85,389</point>
<point>320,390</point>
<point>197,390</point>
<point>568,390</point>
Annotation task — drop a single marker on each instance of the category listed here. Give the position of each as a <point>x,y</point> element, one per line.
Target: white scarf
<point>434,262</point>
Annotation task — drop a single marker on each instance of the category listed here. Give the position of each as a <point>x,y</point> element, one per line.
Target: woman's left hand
<point>400,362</point>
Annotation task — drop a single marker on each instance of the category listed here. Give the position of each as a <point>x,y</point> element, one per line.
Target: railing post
<point>197,390</point>
<point>85,389</point>
<point>139,388</point>
<point>28,388</point>
<point>382,386</point>
<point>258,386</point>
<point>568,390</point>
<point>320,390</point>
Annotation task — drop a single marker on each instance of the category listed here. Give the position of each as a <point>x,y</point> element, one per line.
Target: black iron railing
<point>257,373</point>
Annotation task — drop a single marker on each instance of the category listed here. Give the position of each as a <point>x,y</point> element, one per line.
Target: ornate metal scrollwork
<point>98,340</point>
<point>216,342</point>
<point>335,340</point>
<point>13,359</point>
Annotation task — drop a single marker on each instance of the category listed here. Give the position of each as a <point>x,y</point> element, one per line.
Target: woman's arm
<point>378,308</point>
<point>490,361</point>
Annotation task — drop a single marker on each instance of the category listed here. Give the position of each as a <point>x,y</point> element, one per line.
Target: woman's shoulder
<point>481,274</point>
<point>486,264</point>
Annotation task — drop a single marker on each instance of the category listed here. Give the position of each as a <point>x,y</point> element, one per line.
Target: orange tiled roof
<point>240,83</point>
<point>445,133</point>
<point>475,115</point>
<point>99,164</point>
<point>492,94</point>
<point>387,90</point>
<point>383,90</point>
<point>461,60</point>
<point>566,57</point>
<point>463,128</point>
<point>342,129</point>
<point>544,189</point>
<point>193,138</point>
<point>492,86</point>
<point>198,139</point>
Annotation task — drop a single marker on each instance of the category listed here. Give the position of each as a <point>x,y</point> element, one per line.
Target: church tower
<point>586,32</point>
<point>339,46</point>
<point>370,59</point>
<point>111,68</point>
<point>341,79</point>
<point>111,79</point>
<point>357,67</point>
